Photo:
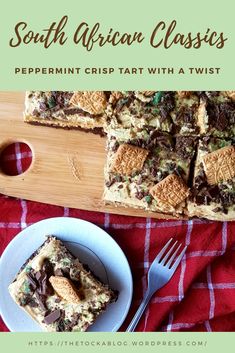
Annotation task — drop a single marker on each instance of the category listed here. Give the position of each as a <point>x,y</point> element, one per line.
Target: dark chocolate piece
<point>41,301</point>
<point>58,272</point>
<point>32,282</point>
<point>52,317</point>
<point>221,115</point>
<point>166,104</point>
<point>185,146</point>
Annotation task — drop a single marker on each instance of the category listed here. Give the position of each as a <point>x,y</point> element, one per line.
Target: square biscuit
<point>170,191</point>
<point>65,289</point>
<point>93,102</point>
<point>219,165</point>
<point>128,159</point>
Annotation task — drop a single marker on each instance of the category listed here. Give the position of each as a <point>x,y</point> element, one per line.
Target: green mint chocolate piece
<point>148,199</point>
<point>28,269</point>
<point>26,287</point>
<point>51,102</point>
<point>157,97</point>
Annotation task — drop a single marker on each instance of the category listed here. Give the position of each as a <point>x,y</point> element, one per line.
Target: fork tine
<point>179,258</point>
<point>168,264</point>
<point>168,253</point>
<point>158,257</point>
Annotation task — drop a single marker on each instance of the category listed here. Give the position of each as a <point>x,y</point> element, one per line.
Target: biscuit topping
<point>184,94</point>
<point>231,94</point>
<point>128,159</point>
<point>93,102</point>
<point>115,96</point>
<point>170,191</point>
<point>220,165</point>
<point>65,289</point>
<point>148,93</point>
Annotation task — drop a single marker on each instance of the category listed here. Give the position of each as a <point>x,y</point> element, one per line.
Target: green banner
<point>153,44</point>
<point>119,342</point>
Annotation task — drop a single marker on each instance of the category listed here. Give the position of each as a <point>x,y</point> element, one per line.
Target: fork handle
<point>139,313</point>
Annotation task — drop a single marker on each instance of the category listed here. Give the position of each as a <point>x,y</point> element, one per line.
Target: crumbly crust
<point>97,130</point>
<point>206,212</point>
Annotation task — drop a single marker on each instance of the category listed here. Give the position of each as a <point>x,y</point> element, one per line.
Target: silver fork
<point>160,272</point>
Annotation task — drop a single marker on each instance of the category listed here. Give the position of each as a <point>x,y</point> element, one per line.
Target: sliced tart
<point>185,113</point>
<point>138,109</point>
<point>72,110</point>
<point>57,291</point>
<point>217,113</point>
<point>213,193</point>
<point>148,169</point>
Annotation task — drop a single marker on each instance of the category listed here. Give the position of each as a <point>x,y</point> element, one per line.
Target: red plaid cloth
<point>200,296</point>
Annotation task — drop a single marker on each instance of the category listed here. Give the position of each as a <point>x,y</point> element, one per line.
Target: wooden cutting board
<point>67,167</point>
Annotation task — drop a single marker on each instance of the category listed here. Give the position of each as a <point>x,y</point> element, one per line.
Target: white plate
<point>92,245</point>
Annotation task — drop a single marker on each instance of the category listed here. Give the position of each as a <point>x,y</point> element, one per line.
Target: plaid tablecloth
<point>200,296</point>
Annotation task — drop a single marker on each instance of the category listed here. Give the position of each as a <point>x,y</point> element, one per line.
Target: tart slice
<point>217,113</point>
<point>185,113</point>
<point>137,109</point>
<point>75,109</point>
<point>213,194</point>
<point>148,169</point>
<point>57,291</point>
